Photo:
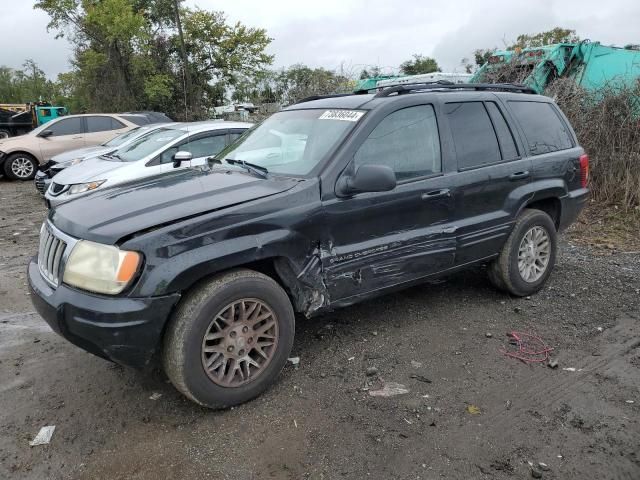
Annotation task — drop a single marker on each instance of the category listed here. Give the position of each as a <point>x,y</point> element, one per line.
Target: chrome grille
<point>50,255</point>
<point>40,185</point>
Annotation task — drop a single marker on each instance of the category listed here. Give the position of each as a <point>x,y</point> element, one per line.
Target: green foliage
<point>481,55</point>
<point>127,55</point>
<point>26,85</point>
<point>555,35</point>
<point>419,65</point>
<point>292,84</point>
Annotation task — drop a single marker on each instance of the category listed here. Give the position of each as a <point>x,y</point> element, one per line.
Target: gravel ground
<point>441,341</point>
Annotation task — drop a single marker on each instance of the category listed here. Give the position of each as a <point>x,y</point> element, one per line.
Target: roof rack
<point>446,85</point>
<point>321,97</point>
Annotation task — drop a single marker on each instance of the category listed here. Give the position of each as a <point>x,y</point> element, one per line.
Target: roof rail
<point>446,85</point>
<point>320,97</point>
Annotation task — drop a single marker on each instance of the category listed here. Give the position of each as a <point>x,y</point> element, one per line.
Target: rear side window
<point>137,119</point>
<point>544,130</point>
<point>102,124</point>
<point>66,126</point>
<point>473,135</point>
<point>505,136</point>
<point>407,141</point>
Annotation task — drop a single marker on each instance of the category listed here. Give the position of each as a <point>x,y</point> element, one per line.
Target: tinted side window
<point>544,130</point>
<point>505,136</point>
<point>473,135</point>
<point>67,126</point>
<point>206,146</point>
<point>137,119</point>
<point>407,141</point>
<point>100,124</point>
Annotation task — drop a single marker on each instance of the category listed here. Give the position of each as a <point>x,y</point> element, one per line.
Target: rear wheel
<point>229,339</point>
<point>528,256</point>
<point>20,166</point>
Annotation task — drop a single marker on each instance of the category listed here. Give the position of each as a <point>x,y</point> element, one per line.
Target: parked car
<point>203,269</point>
<point>64,160</point>
<point>148,155</point>
<point>20,156</point>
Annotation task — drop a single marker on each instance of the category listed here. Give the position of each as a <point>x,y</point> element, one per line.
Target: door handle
<point>445,192</point>
<point>519,175</point>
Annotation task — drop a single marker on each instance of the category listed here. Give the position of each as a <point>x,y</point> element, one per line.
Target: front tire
<point>528,256</point>
<point>20,166</point>
<point>229,339</point>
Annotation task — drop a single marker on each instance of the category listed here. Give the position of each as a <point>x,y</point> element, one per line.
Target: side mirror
<point>368,178</point>
<point>45,133</point>
<point>181,156</point>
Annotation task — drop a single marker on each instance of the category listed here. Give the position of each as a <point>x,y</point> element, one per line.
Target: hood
<point>80,153</point>
<point>18,141</point>
<point>88,171</point>
<point>109,215</point>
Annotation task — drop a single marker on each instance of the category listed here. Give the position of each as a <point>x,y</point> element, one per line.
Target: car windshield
<point>123,137</point>
<point>147,144</point>
<point>293,142</point>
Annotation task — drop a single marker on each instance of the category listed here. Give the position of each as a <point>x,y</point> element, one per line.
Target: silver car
<point>162,150</point>
<point>64,160</point>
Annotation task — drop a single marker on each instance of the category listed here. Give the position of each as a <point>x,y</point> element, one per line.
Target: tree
<point>27,85</point>
<point>555,35</point>
<point>130,55</point>
<point>370,72</point>
<point>419,65</point>
<point>481,55</point>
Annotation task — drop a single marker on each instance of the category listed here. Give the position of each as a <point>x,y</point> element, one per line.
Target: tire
<point>201,313</point>
<point>4,134</point>
<point>505,272</point>
<point>20,166</point>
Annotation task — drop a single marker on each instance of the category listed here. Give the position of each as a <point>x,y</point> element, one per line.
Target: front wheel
<point>528,256</point>
<point>20,166</point>
<point>229,339</point>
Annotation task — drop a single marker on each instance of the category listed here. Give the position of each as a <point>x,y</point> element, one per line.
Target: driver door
<point>378,240</point>
<point>201,146</point>
<point>67,134</point>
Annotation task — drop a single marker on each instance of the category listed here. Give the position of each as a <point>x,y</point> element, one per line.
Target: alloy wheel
<point>22,167</point>
<point>534,253</point>
<point>240,342</point>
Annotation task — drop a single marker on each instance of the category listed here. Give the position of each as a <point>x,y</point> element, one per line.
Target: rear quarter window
<point>544,130</point>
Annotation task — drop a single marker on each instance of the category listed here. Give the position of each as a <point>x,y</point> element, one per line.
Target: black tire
<point>504,272</point>
<point>183,357</point>
<point>4,134</point>
<point>20,166</point>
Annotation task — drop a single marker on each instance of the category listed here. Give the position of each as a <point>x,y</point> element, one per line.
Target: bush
<point>607,124</point>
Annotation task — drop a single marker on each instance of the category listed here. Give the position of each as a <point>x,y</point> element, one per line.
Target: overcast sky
<point>358,33</point>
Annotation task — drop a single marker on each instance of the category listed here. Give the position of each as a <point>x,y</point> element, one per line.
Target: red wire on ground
<point>530,348</point>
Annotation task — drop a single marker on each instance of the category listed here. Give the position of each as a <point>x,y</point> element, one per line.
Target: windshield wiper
<point>111,155</point>
<point>255,169</point>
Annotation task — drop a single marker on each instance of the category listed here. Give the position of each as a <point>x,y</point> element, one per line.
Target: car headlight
<point>100,268</point>
<point>85,187</point>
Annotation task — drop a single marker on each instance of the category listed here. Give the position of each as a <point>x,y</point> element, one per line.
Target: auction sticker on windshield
<point>346,115</point>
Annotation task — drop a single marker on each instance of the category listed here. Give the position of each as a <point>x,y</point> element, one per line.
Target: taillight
<point>584,170</point>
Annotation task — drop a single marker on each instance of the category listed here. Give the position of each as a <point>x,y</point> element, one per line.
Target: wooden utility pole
<point>186,75</point>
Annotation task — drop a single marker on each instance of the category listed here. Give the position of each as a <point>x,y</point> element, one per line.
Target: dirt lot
<point>319,421</point>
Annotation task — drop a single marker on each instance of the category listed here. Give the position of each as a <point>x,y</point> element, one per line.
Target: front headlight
<point>100,268</point>
<point>85,187</point>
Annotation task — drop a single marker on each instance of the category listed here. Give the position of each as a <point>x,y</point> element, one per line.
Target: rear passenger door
<point>376,240</point>
<point>491,170</point>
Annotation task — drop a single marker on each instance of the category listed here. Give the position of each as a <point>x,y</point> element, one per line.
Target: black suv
<point>327,203</point>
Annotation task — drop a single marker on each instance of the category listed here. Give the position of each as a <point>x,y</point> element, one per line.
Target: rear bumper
<point>125,330</point>
<point>572,205</point>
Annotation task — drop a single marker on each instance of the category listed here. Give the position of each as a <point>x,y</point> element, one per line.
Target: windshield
<point>123,137</point>
<point>293,142</point>
<point>147,144</point>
